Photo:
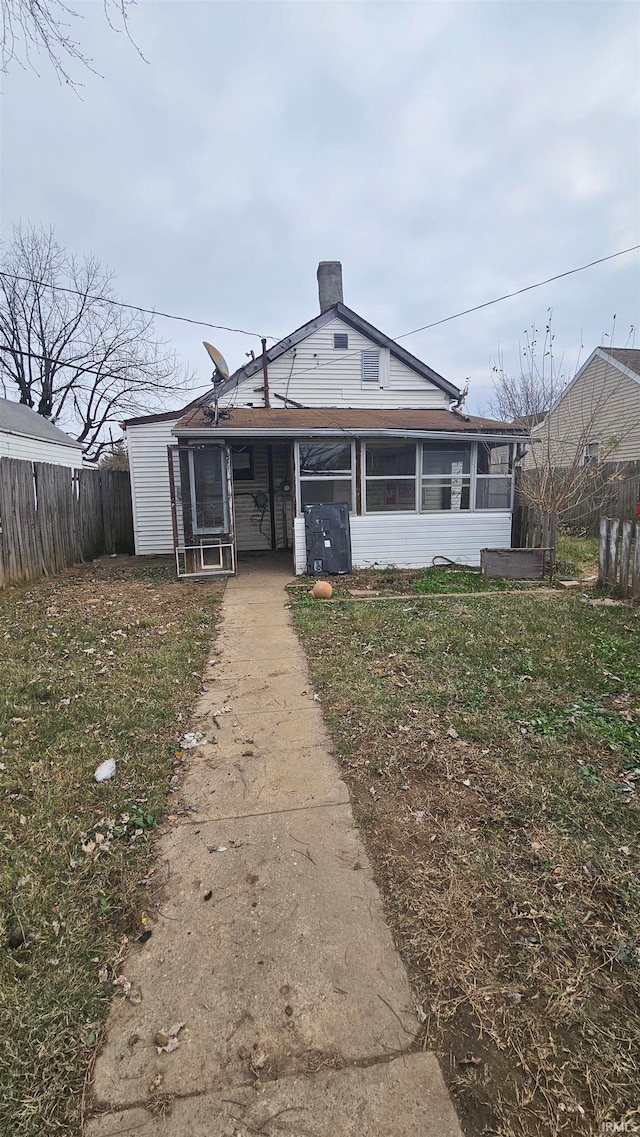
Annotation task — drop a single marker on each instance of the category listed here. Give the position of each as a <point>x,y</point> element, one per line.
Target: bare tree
<point>45,26</point>
<point>69,350</point>
<point>528,394</point>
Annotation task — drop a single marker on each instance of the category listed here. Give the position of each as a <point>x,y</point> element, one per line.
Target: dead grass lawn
<point>103,662</point>
<point>492,750</point>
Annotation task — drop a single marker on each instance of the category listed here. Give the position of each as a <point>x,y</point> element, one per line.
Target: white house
<point>27,435</point>
<point>335,412</point>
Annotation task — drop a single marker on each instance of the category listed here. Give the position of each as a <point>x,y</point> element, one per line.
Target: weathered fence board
<point>612,490</point>
<point>619,559</point>
<point>54,516</point>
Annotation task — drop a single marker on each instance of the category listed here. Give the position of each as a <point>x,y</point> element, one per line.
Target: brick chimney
<point>329,284</point>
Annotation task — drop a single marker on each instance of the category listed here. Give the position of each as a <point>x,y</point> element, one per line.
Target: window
<point>590,453</point>
<point>446,476</point>
<point>242,463</point>
<point>390,469</point>
<point>326,472</point>
<point>341,340</point>
<point>493,478</point>
<point>370,365</point>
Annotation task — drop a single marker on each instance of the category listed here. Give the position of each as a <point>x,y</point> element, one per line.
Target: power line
<point>519,291</point>
<point>466,311</point>
<point>132,307</point>
<point>77,366</point>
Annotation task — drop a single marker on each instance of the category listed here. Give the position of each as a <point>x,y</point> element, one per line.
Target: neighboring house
<point>345,415</point>
<point>597,417</point>
<point>27,435</point>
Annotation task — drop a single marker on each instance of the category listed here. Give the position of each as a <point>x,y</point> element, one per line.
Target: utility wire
<point>487,303</point>
<point>132,307</point>
<point>518,292</point>
<point>76,366</point>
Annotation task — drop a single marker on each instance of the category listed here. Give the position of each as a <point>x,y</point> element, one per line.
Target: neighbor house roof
<point>16,418</point>
<point>279,420</point>
<point>353,320</point>
<point>628,356</point>
<point>166,416</point>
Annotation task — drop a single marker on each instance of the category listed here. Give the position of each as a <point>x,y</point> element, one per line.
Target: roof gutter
<point>221,434</point>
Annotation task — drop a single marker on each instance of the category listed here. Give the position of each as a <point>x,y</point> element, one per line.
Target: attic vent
<point>341,340</point>
<point>371,366</point>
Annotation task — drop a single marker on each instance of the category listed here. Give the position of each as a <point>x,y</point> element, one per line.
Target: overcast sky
<point>446,153</point>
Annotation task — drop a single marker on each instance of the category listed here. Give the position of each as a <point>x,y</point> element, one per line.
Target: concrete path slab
<point>402,1098</point>
<point>270,952</point>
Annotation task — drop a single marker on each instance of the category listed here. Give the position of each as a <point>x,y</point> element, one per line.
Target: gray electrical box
<point>328,538</point>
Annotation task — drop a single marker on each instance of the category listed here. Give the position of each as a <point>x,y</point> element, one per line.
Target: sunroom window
<point>446,476</point>
<point>494,475</point>
<point>326,472</point>
<point>390,476</point>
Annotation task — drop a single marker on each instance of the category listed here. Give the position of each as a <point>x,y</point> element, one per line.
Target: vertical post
<point>635,579</point>
<point>272,508</point>
<point>171,450</point>
<point>612,567</point>
<point>553,539</point>
<point>603,551</point>
<point>625,553</point>
<point>265,373</point>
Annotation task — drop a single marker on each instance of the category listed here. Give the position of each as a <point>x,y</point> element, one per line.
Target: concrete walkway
<point>271,947</point>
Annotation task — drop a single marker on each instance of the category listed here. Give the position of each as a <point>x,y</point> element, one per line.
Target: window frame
<point>366,478</point>
<point>494,477</point>
<point>472,478</point>
<point>330,476</point>
<point>248,474</point>
<point>467,479</point>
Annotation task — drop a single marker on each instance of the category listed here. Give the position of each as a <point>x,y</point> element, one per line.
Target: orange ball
<point>322,590</point>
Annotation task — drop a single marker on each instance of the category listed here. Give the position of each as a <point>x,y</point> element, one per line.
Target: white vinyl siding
<point>321,376</point>
<point>411,541</point>
<point>38,450</point>
<point>150,492</point>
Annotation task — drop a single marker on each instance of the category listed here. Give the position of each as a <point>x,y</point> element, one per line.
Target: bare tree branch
<point>575,456</point>
<point>78,359</point>
<point>31,27</point>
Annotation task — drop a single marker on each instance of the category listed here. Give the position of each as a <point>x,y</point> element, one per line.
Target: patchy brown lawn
<point>103,662</point>
<point>492,750</point>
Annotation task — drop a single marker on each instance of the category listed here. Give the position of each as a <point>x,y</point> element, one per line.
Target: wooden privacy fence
<point>619,559</point>
<point>54,516</point>
<point>610,489</point>
<point>533,529</point>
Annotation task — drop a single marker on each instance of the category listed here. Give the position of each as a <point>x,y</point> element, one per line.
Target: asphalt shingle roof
<point>16,418</point>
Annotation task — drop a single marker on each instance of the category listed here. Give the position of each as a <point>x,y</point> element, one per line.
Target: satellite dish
<point>219,361</point>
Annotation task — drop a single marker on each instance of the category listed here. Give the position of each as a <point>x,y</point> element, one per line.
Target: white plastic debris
<point>105,770</point>
<point>192,739</point>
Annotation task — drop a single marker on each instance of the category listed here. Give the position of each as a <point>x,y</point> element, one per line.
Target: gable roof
<point>625,359</point>
<point>629,357</point>
<point>17,418</point>
<point>353,320</point>
<point>361,421</point>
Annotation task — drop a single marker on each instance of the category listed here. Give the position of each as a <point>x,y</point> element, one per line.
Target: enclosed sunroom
<point>413,494</point>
